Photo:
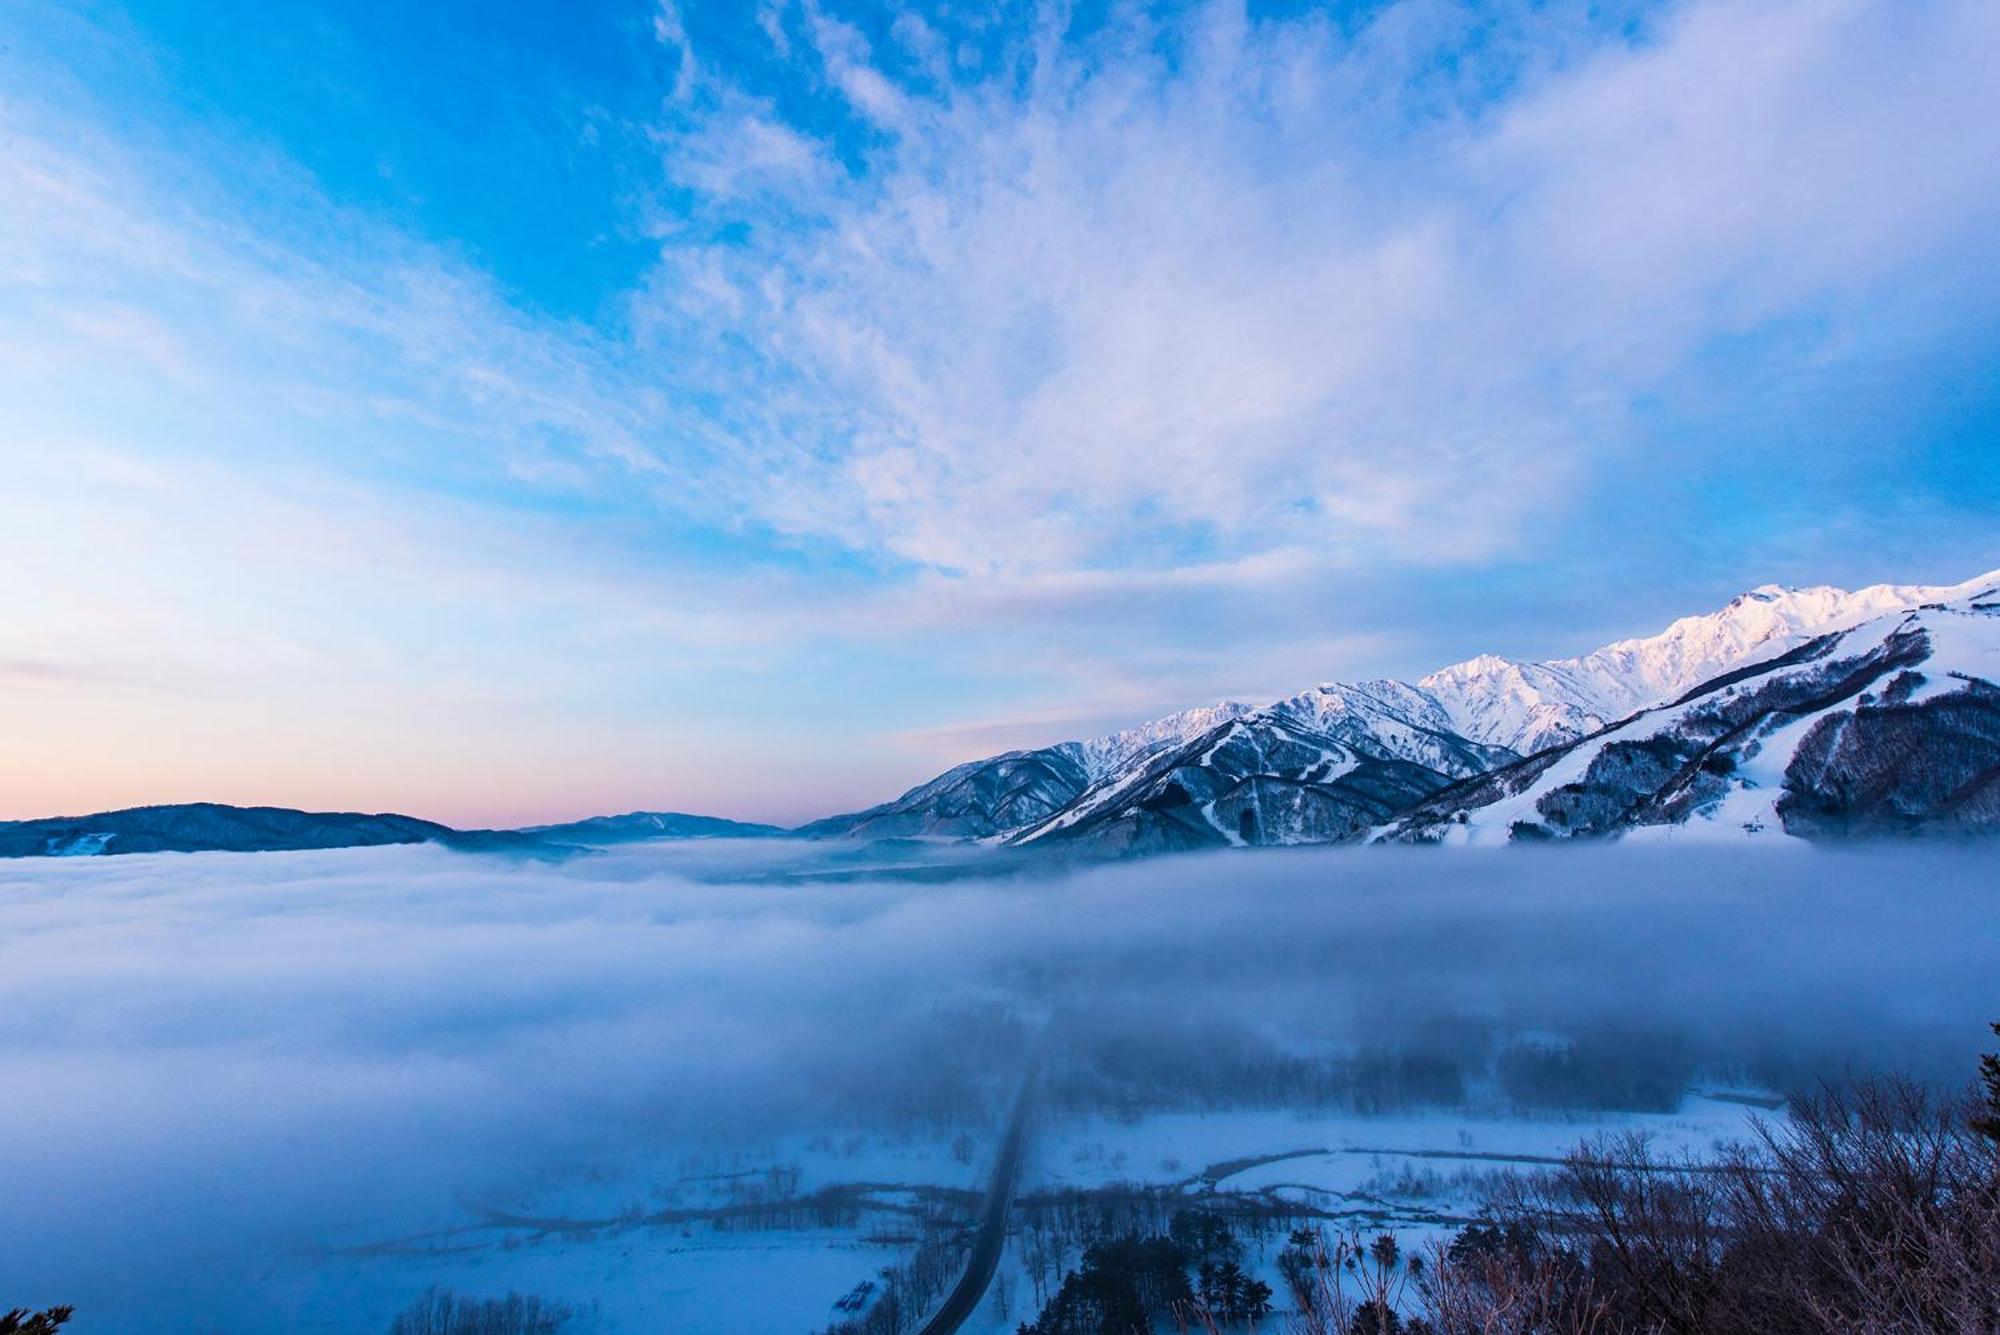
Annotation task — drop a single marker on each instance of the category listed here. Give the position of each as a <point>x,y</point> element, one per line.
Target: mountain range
<point>201,827</point>
<point>1814,712</point>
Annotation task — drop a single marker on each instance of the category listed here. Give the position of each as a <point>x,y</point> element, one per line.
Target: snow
<point>1521,706</point>
<point>1961,647</point>
<point>1416,1173</point>
<point>1105,756</point>
<point>1751,806</point>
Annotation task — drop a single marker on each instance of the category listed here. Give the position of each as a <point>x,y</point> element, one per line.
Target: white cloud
<point>1284,287</point>
<point>1748,163</point>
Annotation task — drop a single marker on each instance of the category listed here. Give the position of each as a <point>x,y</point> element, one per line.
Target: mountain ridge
<point>1311,767</point>
<point>209,827</point>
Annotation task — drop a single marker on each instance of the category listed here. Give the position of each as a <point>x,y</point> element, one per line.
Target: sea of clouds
<point>213,1060</point>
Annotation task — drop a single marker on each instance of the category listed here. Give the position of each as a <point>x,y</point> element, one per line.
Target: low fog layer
<point>216,1060</point>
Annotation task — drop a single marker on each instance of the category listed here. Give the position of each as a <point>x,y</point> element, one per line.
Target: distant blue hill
<point>201,827</point>
<point>637,825</point>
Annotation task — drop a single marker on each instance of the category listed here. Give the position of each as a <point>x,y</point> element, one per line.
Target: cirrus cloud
<point>1201,285</point>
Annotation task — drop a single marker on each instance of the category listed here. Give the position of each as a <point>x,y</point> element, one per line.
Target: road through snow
<point>992,1238</point>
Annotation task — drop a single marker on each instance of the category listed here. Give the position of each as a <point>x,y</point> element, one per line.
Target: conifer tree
<point>1987,1123</point>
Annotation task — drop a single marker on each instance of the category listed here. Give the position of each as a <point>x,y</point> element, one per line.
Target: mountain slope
<point>1320,767</point>
<point>1262,779</point>
<point>1102,757</point>
<point>205,826</point>
<point>1301,741</point>
<point>975,800</point>
<point>1890,726</point>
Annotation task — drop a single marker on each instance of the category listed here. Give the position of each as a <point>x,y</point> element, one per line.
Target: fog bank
<point>213,1060</point>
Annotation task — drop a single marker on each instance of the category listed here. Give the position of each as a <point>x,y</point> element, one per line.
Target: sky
<point>507,413</point>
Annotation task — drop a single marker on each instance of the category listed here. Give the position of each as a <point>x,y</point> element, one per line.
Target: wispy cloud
<point>52,674</point>
<point>1211,285</point>
<point>273,300</point>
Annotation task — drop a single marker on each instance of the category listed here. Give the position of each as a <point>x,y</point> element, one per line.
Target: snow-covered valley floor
<point>582,1234</point>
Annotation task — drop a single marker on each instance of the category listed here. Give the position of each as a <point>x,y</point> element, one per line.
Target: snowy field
<point>1417,1175</point>
<point>720,1088</point>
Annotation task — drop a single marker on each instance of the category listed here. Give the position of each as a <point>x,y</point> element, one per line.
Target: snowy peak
<point>1390,720</point>
<point>1333,701</point>
<point>1104,756</point>
<point>1524,707</point>
<point>1761,623</point>
<point>1765,621</point>
<point>1528,707</point>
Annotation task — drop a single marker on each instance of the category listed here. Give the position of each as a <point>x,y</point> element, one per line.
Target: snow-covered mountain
<point>1330,763</point>
<point>1324,732</point>
<point>1102,757</point>
<point>1812,712</point>
<point>1317,768</point>
<point>1529,706</point>
<point>976,800</point>
<point>1891,726</point>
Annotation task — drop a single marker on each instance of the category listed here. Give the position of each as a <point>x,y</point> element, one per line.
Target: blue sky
<point>511,412</point>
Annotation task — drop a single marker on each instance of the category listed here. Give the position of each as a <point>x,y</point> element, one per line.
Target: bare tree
<point>1873,1210</point>
<point>1348,1286</point>
<point>442,1312</point>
